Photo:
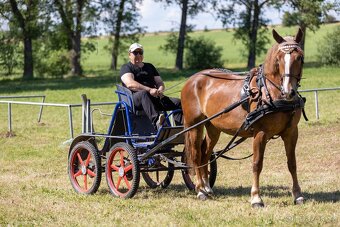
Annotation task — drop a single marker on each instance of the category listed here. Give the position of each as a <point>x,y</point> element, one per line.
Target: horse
<point>272,87</point>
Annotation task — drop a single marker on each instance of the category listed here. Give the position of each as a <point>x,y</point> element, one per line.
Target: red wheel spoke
<point>77,173</point>
<point>79,158</point>
<point>115,168</point>
<point>126,169</point>
<point>121,158</point>
<point>89,172</point>
<point>85,182</point>
<point>88,159</point>
<point>127,183</point>
<point>118,182</point>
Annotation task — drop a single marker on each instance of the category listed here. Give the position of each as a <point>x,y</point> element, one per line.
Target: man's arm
<point>160,85</point>
<point>128,80</point>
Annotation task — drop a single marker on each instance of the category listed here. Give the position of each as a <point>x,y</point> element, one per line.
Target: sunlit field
<point>35,188</point>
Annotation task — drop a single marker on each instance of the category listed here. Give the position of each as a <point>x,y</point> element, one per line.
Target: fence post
<point>88,115</point>
<point>316,105</point>
<point>70,120</point>
<point>9,118</point>
<point>83,112</point>
<point>41,109</point>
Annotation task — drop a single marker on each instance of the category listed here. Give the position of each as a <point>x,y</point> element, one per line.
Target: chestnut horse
<point>210,91</point>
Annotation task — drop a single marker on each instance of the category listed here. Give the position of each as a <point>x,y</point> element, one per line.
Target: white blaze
<point>287,72</point>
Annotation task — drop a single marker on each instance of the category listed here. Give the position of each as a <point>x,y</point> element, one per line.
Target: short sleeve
<point>125,69</point>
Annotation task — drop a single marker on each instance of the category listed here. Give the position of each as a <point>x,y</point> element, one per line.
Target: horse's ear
<point>298,36</point>
<point>277,37</point>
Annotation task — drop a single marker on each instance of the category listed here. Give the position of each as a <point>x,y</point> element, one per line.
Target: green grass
<point>35,189</point>
<point>232,49</point>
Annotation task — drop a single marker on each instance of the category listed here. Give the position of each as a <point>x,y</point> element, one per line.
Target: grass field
<point>35,189</point>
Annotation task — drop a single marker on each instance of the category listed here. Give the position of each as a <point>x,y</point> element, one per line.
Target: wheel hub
<point>121,171</point>
<point>83,169</point>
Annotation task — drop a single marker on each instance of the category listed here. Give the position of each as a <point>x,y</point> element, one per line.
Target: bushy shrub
<point>203,53</point>
<point>328,49</point>
<point>52,63</point>
<point>10,53</point>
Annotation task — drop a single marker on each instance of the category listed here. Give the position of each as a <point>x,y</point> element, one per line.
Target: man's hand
<point>154,92</point>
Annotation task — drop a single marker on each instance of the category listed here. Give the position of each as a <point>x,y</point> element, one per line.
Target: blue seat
<point>141,124</point>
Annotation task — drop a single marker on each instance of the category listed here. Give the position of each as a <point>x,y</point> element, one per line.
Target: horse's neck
<point>272,84</point>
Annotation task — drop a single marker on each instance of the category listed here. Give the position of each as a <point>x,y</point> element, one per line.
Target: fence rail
<point>317,98</point>
<point>86,108</point>
<point>68,106</point>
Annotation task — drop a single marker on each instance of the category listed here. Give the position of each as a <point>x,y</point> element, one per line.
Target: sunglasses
<point>137,52</point>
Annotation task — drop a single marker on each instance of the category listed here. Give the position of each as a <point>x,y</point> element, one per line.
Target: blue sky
<point>157,18</point>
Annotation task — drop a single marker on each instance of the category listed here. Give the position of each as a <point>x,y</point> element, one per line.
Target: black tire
<point>122,171</point>
<point>84,168</point>
<point>212,171</point>
<point>159,178</point>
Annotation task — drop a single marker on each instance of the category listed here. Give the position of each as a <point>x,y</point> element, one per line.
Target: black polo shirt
<point>144,75</point>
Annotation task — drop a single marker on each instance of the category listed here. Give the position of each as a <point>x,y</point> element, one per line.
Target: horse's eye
<point>298,58</point>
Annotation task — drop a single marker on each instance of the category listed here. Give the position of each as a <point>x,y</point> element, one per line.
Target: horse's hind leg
<point>259,145</point>
<point>290,140</point>
<point>209,142</point>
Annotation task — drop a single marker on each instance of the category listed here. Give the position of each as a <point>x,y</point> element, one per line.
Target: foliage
<point>202,53</point>
<point>10,56</point>
<point>251,26</point>
<point>52,63</point>
<point>121,19</point>
<point>328,49</point>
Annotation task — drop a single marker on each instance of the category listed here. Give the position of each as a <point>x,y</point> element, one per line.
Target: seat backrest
<point>141,124</point>
<point>125,95</point>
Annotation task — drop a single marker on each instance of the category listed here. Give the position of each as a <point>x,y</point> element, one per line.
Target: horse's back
<point>208,92</point>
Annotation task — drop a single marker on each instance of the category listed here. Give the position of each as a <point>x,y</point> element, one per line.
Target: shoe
<point>160,121</point>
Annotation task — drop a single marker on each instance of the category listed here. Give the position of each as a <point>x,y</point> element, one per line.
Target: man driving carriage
<point>147,87</point>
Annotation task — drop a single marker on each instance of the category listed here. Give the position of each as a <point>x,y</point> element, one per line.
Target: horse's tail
<point>188,159</point>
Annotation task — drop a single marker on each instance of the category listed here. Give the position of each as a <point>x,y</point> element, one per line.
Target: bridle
<point>287,49</point>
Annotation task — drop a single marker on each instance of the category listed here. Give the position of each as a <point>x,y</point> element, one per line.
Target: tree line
<point>51,32</point>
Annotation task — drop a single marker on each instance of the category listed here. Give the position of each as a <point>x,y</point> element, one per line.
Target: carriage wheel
<point>212,172</point>
<point>122,171</point>
<point>84,168</point>
<point>160,178</point>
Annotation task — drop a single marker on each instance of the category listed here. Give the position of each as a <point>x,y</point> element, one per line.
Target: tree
<point>203,53</point>
<point>122,23</point>
<point>328,50</point>
<point>9,52</point>
<point>307,14</point>
<point>250,25</point>
<point>73,14</point>
<point>191,8</point>
<point>25,16</point>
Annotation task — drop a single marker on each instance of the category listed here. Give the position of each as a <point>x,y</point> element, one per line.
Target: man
<point>147,87</point>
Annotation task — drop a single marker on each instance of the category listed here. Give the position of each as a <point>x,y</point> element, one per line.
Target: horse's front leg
<point>290,139</point>
<point>259,145</point>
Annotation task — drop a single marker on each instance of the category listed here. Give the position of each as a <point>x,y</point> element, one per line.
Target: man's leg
<point>144,101</point>
<point>169,103</point>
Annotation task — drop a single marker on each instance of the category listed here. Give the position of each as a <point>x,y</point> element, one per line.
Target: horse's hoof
<point>299,201</point>
<point>209,191</point>
<point>257,205</point>
<point>202,196</point>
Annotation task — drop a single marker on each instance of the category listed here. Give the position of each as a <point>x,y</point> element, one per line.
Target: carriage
<point>263,105</point>
<point>132,147</point>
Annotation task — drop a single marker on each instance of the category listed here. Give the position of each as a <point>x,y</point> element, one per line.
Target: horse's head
<point>285,61</point>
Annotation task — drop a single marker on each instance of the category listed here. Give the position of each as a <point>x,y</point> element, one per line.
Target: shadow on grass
<point>326,197</point>
<point>240,191</point>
